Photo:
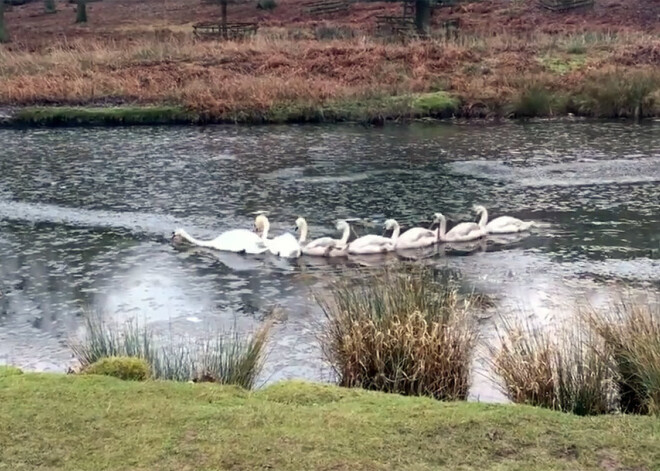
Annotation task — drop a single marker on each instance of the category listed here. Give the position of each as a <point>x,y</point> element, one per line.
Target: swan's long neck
<point>345,235</point>
<point>264,234</point>
<point>192,240</point>
<point>395,232</point>
<point>484,218</point>
<point>442,228</point>
<point>303,232</point>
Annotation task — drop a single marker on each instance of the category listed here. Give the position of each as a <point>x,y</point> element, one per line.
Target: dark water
<point>86,216</point>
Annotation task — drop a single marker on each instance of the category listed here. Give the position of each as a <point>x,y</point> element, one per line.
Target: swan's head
<point>390,224</point>
<point>477,208</point>
<point>179,237</point>
<point>342,225</point>
<point>437,217</point>
<point>260,223</point>
<point>300,223</point>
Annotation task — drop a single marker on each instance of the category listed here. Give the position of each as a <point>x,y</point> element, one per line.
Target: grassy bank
<point>274,80</point>
<point>371,110</point>
<point>91,422</point>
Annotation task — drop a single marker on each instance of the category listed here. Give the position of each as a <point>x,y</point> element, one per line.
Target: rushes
<point>402,332</point>
<point>559,370</point>
<point>609,360</point>
<point>631,332</point>
<point>224,357</point>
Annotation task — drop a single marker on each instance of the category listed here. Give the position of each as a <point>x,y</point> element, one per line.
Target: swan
<point>235,240</point>
<point>416,238</point>
<point>324,246</point>
<point>284,245</point>
<point>462,232</point>
<point>374,244</point>
<point>504,224</point>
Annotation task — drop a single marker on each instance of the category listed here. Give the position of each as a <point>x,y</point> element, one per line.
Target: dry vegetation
<point>511,58</point>
<point>405,332</point>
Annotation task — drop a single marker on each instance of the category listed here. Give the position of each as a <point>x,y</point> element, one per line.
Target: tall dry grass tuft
<point>223,357</point>
<point>405,332</point>
<point>631,333</point>
<point>619,92</point>
<point>560,370</point>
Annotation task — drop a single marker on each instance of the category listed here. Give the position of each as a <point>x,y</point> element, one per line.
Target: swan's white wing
<point>322,242</point>
<point>415,234</point>
<point>463,229</point>
<point>285,245</point>
<point>239,240</point>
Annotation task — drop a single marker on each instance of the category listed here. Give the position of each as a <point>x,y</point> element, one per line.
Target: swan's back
<point>239,240</point>
<point>285,245</point>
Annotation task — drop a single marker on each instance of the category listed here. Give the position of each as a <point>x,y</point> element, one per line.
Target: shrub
<point>49,6</point>
<point>7,370</point>
<point>126,368</point>
<point>631,332</point>
<point>560,370</point>
<point>266,5</point>
<point>403,332</point>
<point>533,101</point>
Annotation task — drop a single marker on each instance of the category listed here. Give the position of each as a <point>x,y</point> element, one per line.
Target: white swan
<point>374,244</point>
<point>235,240</point>
<point>416,238</point>
<point>462,232</point>
<point>324,246</point>
<point>284,245</point>
<point>505,224</point>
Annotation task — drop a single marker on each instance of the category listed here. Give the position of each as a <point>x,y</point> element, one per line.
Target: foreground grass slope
<point>92,422</point>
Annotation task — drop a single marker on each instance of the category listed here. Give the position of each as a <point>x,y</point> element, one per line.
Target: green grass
<point>6,370</point>
<point>120,115</point>
<point>128,368</point>
<point>95,422</point>
<point>563,65</point>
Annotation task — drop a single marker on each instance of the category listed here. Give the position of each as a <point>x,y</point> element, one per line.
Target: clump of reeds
<point>223,357</point>
<point>631,333</point>
<point>557,369</point>
<point>404,332</point>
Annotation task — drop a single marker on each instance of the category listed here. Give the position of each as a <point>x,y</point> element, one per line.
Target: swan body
<point>508,225</point>
<point>285,245</point>
<point>324,246</point>
<point>375,244</point>
<point>235,240</point>
<point>463,232</point>
<point>416,238</point>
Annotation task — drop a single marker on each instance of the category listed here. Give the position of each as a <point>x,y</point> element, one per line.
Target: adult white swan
<point>374,244</point>
<point>462,232</point>
<point>235,240</point>
<point>504,224</point>
<point>324,246</point>
<point>416,238</point>
<point>284,245</point>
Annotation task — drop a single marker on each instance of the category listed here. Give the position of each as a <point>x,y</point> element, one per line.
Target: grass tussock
<point>224,357</point>
<point>401,332</point>
<point>556,369</point>
<point>616,93</point>
<point>631,333</point>
<point>126,368</point>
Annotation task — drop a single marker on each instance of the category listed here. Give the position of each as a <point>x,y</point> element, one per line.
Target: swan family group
<point>286,245</point>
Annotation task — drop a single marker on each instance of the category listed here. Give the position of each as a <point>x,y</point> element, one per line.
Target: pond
<point>86,217</point>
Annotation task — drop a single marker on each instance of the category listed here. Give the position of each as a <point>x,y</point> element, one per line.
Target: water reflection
<point>86,215</point>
